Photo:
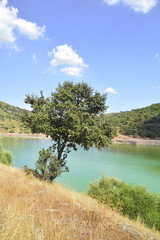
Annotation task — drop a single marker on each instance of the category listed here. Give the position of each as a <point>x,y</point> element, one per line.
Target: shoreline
<point>24,135</point>
<point>121,139</point>
<point>136,141</point>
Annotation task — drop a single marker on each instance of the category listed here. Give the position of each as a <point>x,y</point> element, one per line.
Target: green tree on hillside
<point>69,117</point>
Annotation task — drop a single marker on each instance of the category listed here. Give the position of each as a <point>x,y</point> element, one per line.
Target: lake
<point>135,164</point>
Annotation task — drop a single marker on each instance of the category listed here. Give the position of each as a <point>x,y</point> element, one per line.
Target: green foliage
<point>10,119</point>
<point>5,156</point>
<point>69,117</point>
<point>143,122</point>
<point>12,130</point>
<point>132,201</point>
<point>49,166</point>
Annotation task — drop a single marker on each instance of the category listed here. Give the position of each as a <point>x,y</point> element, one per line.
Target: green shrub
<point>132,201</point>
<point>6,157</point>
<point>12,130</point>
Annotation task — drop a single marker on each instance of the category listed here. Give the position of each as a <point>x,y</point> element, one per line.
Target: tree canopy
<point>70,116</point>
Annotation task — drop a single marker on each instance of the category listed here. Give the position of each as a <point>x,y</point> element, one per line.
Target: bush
<point>132,201</point>
<point>6,157</point>
<point>12,130</point>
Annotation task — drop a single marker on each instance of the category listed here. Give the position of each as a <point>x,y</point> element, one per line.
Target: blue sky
<point>114,45</point>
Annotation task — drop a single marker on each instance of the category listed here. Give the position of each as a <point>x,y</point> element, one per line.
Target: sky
<point>113,45</point>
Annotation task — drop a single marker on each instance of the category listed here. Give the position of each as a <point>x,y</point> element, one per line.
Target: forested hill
<point>143,122</point>
<point>10,119</point>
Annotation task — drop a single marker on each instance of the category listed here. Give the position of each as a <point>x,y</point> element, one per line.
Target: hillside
<point>10,119</point>
<point>143,122</point>
<point>31,209</point>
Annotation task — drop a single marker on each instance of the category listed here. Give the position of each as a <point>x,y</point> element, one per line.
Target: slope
<point>143,122</point>
<point>31,209</point>
<point>10,119</point>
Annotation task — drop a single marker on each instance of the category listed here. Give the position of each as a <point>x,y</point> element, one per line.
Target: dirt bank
<point>23,135</point>
<point>120,139</point>
<point>136,141</point>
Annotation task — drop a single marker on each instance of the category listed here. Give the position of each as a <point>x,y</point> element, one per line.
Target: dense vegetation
<point>143,122</point>
<point>5,157</point>
<point>132,201</point>
<point>10,119</point>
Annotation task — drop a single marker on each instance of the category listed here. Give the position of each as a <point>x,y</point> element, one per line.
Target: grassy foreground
<point>35,210</point>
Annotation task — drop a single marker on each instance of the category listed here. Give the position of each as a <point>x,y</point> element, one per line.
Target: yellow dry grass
<point>35,210</point>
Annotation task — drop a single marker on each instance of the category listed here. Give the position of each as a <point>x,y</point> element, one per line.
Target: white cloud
<point>67,59</point>
<point>34,57</point>
<point>111,2</point>
<point>72,71</point>
<point>110,90</point>
<point>9,22</point>
<point>31,30</point>
<point>137,5</point>
<point>157,56</point>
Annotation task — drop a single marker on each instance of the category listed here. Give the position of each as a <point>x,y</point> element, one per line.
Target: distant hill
<point>10,119</point>
<point>142,122</point>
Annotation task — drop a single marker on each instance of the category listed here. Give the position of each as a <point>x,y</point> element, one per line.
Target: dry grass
<point>35,210</point>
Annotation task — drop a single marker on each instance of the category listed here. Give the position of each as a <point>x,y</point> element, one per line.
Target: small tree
<point>70,117</point>
<point>5,156</point>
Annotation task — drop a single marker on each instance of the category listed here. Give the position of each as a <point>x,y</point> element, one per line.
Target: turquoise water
<point>133,164</point>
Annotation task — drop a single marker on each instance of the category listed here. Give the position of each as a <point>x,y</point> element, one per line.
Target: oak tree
<point>71,117</point>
